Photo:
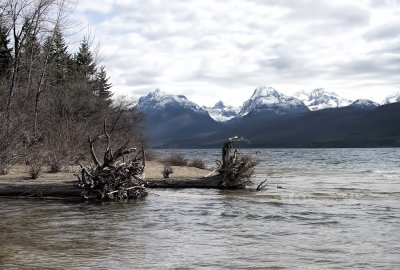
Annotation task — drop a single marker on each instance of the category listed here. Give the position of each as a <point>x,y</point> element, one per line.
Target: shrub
<point>197,163</point>
<point>35,170</point>
<point>150,155</point>
<point>55,163</point>
<point>167,171</point>
<point>175,160</point>
<point>4,168</point>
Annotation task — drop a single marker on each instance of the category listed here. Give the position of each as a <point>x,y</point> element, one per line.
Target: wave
<point>330,196</point>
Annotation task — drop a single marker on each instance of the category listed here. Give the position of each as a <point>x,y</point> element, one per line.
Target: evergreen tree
<point>102,86</point>
<point>59,57</point>
<point>5,53</point>
<point>85,65</point>
<point>29,56</point>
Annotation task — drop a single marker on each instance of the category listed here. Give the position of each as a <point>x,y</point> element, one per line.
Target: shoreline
<point>17,183</point>
<point>153,170</point>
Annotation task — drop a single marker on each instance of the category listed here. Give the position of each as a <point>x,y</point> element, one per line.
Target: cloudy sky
<point>212,50</point>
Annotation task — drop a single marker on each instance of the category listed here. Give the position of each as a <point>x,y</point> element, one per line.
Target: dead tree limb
<point>262,185</point>
<point>235,170</point>
<point>114,179</point>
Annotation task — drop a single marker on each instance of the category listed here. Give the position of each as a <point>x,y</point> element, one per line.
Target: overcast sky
<point>212,50</point>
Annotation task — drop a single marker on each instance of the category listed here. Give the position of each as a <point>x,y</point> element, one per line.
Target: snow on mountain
<point>221,112</point>
<point>392,98</point>
<point>268,99</point>
<point>364,104</point>
<point>319,99</point>
<point>158,100</point>
<point>264,99</point>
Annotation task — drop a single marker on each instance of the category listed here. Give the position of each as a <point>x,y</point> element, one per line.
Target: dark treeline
<point>52,100</point>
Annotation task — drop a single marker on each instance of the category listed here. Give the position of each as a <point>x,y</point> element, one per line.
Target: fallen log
<point>45,189</point>
<point>204,182</point>
<point>70,190</point>
<point>116,181</point>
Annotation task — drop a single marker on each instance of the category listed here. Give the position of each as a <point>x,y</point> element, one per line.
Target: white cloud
<point>211,50</point>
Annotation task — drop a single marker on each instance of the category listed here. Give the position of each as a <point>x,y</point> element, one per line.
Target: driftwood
<point>235,169</point>
<point>204,182</point>
<point>234,172</point>
<point>115,179</point>
<point>28,189</point>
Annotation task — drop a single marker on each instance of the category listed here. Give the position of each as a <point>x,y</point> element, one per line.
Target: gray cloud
<point>323,12</point>
<point>372,67</point>
<point>387,31</point>
<point>218,47</point>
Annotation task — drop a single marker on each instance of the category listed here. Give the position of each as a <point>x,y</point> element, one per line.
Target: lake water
<point>337,209</point>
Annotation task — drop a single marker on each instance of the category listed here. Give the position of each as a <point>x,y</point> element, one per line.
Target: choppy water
<point>338,209</point>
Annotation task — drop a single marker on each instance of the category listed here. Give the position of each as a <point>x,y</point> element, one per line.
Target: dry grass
<point>175,160</point>
<point>197,163</point>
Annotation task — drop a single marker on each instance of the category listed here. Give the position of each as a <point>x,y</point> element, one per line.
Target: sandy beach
<point>153,170</point>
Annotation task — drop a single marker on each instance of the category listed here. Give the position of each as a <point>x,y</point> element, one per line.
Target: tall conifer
<point>5,53</point>
<point>86,66</point>
<point>102,88</point>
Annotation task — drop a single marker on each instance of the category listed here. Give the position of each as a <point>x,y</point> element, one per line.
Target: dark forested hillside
<point>340,127</point>
<point>173,126</point>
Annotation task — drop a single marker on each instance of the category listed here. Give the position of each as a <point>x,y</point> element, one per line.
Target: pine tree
<point>29,55</point>
<point>85,64</point>
<point>102,86</point>
<point>5,53</point>
<point>59,57</point>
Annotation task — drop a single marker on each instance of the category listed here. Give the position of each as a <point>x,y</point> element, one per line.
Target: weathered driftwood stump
<point>235,170</point>
<point>115,179</point>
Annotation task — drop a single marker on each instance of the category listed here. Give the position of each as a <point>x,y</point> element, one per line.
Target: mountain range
<point>272,119</point>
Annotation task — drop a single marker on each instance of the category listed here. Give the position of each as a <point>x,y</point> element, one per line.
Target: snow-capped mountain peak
<point>219,105</point>
<point>269,99</point>
<point>392,98</point>
<point>319,99</point>
<point>364,104</point>
<point>265,92</point>
<point>221,112</point>
<point>159,100</point>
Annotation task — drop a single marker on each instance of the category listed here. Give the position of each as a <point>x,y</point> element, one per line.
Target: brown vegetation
<point>52,99</point>
<point>197,163</point>
<point>167,171</point>
<point>175,159</point>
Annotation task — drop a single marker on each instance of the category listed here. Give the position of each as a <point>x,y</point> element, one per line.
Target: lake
<point>334,209</point>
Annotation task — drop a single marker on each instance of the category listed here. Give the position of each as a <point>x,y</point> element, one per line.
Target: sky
<point>211,50</point>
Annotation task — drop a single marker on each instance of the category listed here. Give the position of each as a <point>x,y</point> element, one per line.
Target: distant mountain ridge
<point>270,119</point>
<point>319,99</point>
<point>269,100</point>
<point>221,112</point>
<point>392,98</point>
<point>169,117</point>
<point>159,100</point>
<point>364,103</point>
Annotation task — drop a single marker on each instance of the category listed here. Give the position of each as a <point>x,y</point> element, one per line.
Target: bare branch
<point>93,154</point>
